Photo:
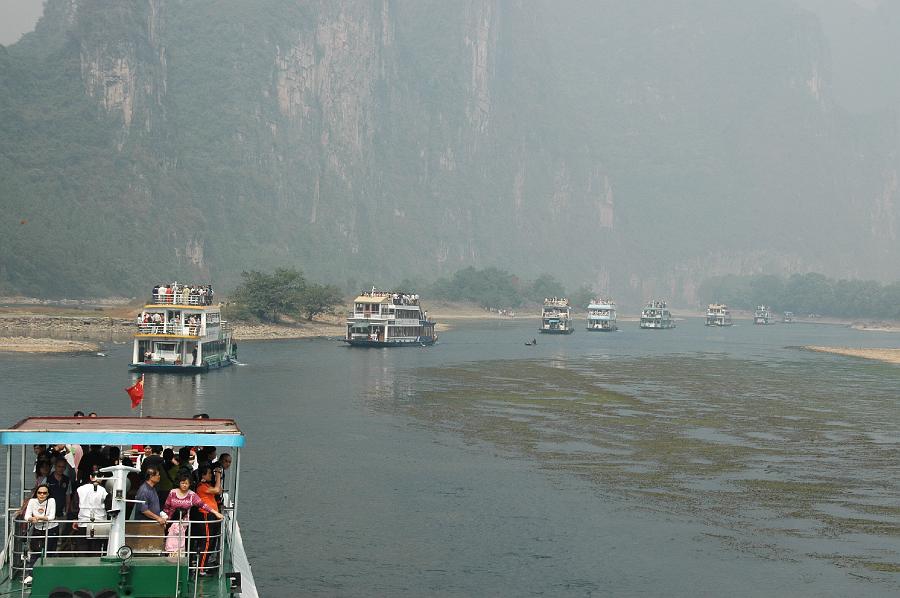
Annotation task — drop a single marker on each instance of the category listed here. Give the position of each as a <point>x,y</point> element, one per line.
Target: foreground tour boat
<point>181,331</point>
<point>656,316</point>
<point>556,316</point>
<point>109,556</point>
<point>717,314</point>
<point>763,316</point>
<point>602,316</point>
<point>382,319</point>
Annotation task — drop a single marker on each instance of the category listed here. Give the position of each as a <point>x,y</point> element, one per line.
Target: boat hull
<point>171,368</point>
<point>601,329</point>
<point>421,341</point>
<point>556,331</point>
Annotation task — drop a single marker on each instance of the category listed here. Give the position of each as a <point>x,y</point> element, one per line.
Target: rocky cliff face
<point>635,148</point>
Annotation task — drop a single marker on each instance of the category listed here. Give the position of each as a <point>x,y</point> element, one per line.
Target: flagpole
<point>141,413</point>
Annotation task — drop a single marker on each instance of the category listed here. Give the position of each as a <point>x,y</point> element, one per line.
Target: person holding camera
<point>208,530</point>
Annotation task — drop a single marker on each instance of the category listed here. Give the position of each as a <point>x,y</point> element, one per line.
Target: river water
<point>684,462</point>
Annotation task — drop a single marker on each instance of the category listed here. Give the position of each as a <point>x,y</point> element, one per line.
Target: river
<point>683,462</point>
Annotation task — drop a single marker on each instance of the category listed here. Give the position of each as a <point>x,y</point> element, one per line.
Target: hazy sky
<point>18,17</point>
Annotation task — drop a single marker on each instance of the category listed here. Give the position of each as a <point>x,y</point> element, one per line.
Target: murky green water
<point>683,462</point>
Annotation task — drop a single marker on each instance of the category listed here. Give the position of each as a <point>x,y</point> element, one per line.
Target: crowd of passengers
<point>179,489</point>
<point>396,298</point>
<point>183,294</point>
<point>157,319</point>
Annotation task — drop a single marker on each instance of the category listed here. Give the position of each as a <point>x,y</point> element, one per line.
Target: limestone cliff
<point>635,147</point>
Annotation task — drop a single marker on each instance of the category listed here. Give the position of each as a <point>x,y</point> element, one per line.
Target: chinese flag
<point>136,392</point>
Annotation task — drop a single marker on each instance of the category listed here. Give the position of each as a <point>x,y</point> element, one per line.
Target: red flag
<point>136,392</point>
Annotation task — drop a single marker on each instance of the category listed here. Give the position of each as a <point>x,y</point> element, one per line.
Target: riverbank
<point>885,355</point>
<point>24,344</point>
<point>52,329</point>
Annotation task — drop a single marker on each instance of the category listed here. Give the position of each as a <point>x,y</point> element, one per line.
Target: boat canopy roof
<point>124,430</point>
<point>369,299</point>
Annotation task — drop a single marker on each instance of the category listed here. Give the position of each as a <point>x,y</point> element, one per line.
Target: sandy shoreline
<point>885,355</point>
<point>52,330</point>
<point>24,344</point>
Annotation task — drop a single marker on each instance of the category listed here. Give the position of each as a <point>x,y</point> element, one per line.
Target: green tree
<point>545,286</point>
<point>268,296</point>
<point>318,299</point>
<point>582,296</point>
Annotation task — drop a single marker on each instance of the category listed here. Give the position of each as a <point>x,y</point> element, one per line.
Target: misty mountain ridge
<point>638,148</point>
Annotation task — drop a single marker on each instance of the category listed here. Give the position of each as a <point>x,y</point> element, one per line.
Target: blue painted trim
<point>12,437</point>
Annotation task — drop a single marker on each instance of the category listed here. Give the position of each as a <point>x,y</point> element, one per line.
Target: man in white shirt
<point>92,517</point>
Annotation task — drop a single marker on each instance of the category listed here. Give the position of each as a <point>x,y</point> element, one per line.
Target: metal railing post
<point>234,500</point>
<point>22,475</point>
<point>6,503</point>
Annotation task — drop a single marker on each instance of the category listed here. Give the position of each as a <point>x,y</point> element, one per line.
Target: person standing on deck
<point>91,508</point>
<point>148,508</point>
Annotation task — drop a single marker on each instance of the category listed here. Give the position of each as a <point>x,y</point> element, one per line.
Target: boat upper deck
<point>185,296</point>
<point>602,304</point>
<point>374,297</point>
<point>561,302</point>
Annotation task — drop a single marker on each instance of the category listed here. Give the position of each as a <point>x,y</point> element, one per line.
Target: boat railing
<point>371,315</point>
<point>180,299</point>
<point>200,545</point>
<point>176,328</point>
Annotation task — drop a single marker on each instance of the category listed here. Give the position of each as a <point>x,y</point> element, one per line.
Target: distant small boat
<point>101,354</point>
<point>763,316</point>
<point>531,343</point>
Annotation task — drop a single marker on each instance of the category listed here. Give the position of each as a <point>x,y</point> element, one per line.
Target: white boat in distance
<point>602,316</point>
<point>385,319</point>
<point>656,316</point>
<point>556,316</point>
<point>717,314</point>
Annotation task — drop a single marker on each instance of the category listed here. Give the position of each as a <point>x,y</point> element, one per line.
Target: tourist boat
<point>383,319</point>
<point>717,314</point>
<point>181,331</point>
<point>656,316</point>
<point>556,316</point>
<point>113,556</point>
<point>763,316</point>
<point>788,317</point>
<point>602,315</point>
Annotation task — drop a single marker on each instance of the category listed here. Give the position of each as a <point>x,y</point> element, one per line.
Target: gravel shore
<point>885,355</point>
<point>24,344</point>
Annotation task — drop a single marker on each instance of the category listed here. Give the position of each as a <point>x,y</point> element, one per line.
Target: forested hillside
<point>635,147</point>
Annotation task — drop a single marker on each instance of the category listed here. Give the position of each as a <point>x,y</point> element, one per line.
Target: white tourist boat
<point>389,319</point>
<point>556,316</point>
<point>181,331</point>
<point>718,314</point>
<point>656,316</point>
<point>763,316</point>
<point>602,316</point>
